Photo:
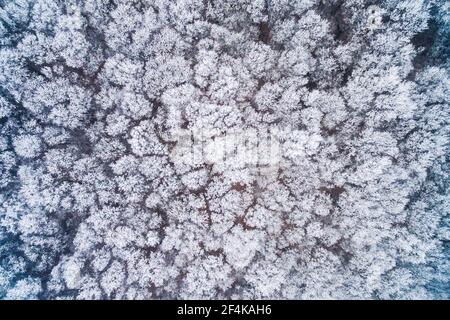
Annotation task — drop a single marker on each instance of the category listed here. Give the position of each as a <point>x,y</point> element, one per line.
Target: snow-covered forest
<point>224,149</point>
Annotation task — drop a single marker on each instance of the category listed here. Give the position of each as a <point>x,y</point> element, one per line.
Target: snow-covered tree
<point>224,149</point>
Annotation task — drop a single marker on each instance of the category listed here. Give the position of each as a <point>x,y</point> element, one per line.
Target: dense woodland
<point>96,202</point>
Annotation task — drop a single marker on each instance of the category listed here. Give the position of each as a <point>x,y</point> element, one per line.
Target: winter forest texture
<point>134,160</point>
